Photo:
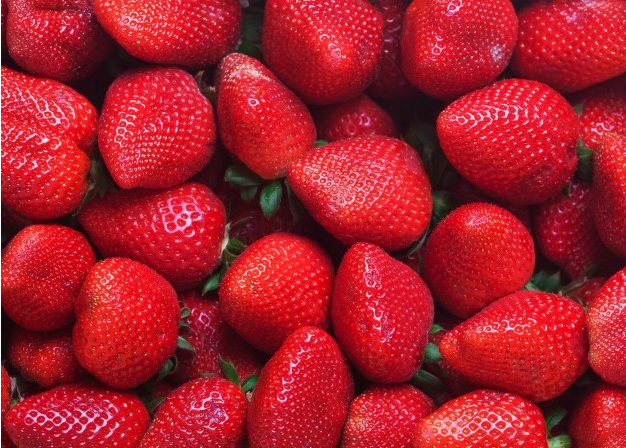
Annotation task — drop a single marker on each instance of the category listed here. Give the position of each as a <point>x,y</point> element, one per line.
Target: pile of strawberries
<point>314,223</point>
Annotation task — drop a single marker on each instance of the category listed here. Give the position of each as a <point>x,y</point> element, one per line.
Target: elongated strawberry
<point>126,322</point>
<point>515,140</point>
<point>45,160</point>
<point>303,394</point>
<point>78,415</point>
<point>177,232</point>
<point>599,421</point>
<point>381,314</point>
<point>43,268</point>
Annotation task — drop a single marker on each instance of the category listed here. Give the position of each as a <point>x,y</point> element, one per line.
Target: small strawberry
<point>599,421</point>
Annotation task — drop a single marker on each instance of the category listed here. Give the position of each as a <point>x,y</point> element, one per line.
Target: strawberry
<point>43,268</point>
<point>455,384</point>
<point>327,52</point>
<point>529,343</point>
<point>585,293</point>
<point>449,49</point>
<point>278,284</point>
<point>359,117</point>
<point>606,320</point>
<point>381,313</point>
<point>571,44</point>
<point>126,322</point>
<point>177,232</point>
<point>303,394</point>
<point>45,159</point>
<point>600,419</point>
<point>156,129</point>
<point>477,254</point>
<point>201,413</point>
<point>385,417</point>
<point>5,392</point>
<point>78,415</point>
<point>367,189</point>
<point>189,33</point>
<point>58,40</point>
<point>515,140</point>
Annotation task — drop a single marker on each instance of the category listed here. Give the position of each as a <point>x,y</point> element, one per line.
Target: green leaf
<point>184,312</point>
<point>554,418</point>
<point>562,441</point>
<point>319,143</point>
<point>213,282</point>
<point>295,206</point>
<point>545,281</point>
<point>185,345</point>
<point>584,170</point>
<point>578,108</point>
<point>436,328</point>
<point>443,203</point>
<point>235,246</point>
<point>167,369</point>
<point>206,374</point>
<point>228,370</point>
<point>270,198</point>
<point>432,354</point>
<point>153,404</point>
<point>248,193</point>
<point>424,378</point>
<point>241,175</point>
<point>250,383</point>
<point>251,26</point>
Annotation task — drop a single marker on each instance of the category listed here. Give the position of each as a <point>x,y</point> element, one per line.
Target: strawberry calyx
<point>545,281</point>
<point>251,24</point>
<point>584,169</point>
<point>231,249</point>
<point>230,373</point>
<point>100,181</point>
<point>552,420</point>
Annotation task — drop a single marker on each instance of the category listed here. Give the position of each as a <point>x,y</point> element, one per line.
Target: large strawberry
<point>126,322</point>
<point>515,140</point>
<point>326,51</point>
<point>599,421</point>
<point>367,189</point>
<point>303,394</point>
<point>449,49</point>
<point>177,232</point>
<point>43,268</point>
<point>45,161</point>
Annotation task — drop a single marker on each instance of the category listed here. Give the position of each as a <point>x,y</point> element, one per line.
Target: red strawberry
<point>327,52</point>
<point>586,292</point>
<point>515,140</point>
<point>483,419</point>
<point>359,117</point>
<point>78,415</point>
<point>201,413</point>
<point>190,33</point>
<point>477,254</point>
<point>606,321</point>
<point>367,189</point>
<point>452,48</point>
<point>278,284</point>
<point>126,322</point>
<point>530,343</point>
<point>571,44</point>
<point>381,313</point>
<point>55,39</point>
<point>177,232</point>
<point>303,394</point>
<point>43,268</point>
<point>599,421</point>
<point>5,392</point>
<point>385,417</point>
<point>455,383</point>
<point>156,129</point>
<point>45,159</point>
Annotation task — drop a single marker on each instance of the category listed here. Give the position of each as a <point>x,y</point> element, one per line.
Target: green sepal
<point>228,370</point>
<point>443,203</point>
<point>100,181</point>
<point>562,441</point>
<point>214,281</point>
<point>167,369</point>
<point>248,193</point>
<point>554,418</point>
<point>250,383</point>
<point>205,374</point>
<point>270,198</point>
<point>295,206</point>
<point>319,143</point>
<point>429,384</point>
<point>153,404</point>
<point>545,281</point>
<point>184,314</point>
<point>432,355</point>
<point>242,176</point>
<point>578,108</point>
<point>251,24</point>
<point>423,137</point>
<point>436,328</point>
<point>584,170</point>
<point>184,344</point>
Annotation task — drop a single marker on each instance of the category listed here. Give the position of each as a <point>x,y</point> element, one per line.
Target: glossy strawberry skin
<point>449,49</point>
<point>5,392</point>
<point>78,415</point>
<point>571,45</point>
<point>45,161</point>
<point>381,313</point>
<point>515,140</point>
<point>483,418</point>
<point>43,268</point>
<point>529,343</point>
<point>303,394</point>
<point>326,52</point>
<point>475,255</point>
<point>126,323</point>
<point>599,421</point>
<point>367,189</point>
<point>177,232</point>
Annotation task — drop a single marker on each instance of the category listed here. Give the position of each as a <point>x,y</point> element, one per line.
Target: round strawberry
<point>599,421</point>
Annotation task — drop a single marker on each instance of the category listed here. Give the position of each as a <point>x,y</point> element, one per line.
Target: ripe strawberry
<point>177,232</point>
<point>58,40</point>
<point>5,392</point>
<point>515,140</point>
<point>381,313</point>
<point>599,421</point>
<point>303,394</point>
<point>327,52</point>
<point>201,413</point>
<point>278,284</point>
<point>483,419</point>
<point>78,415</point>
<point>606,320</point>
<point>43,268</point>
<point>455,384</point>
<point>449,49</point>
<point>156,129</point>
<point>190,33</point>
<point>45,159</point>
<point>530,343</point>
<point>126,322</point>
<point>385,417</point>
<point>367,189</point>
<point>571,44</point>
<point>475,255</point>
